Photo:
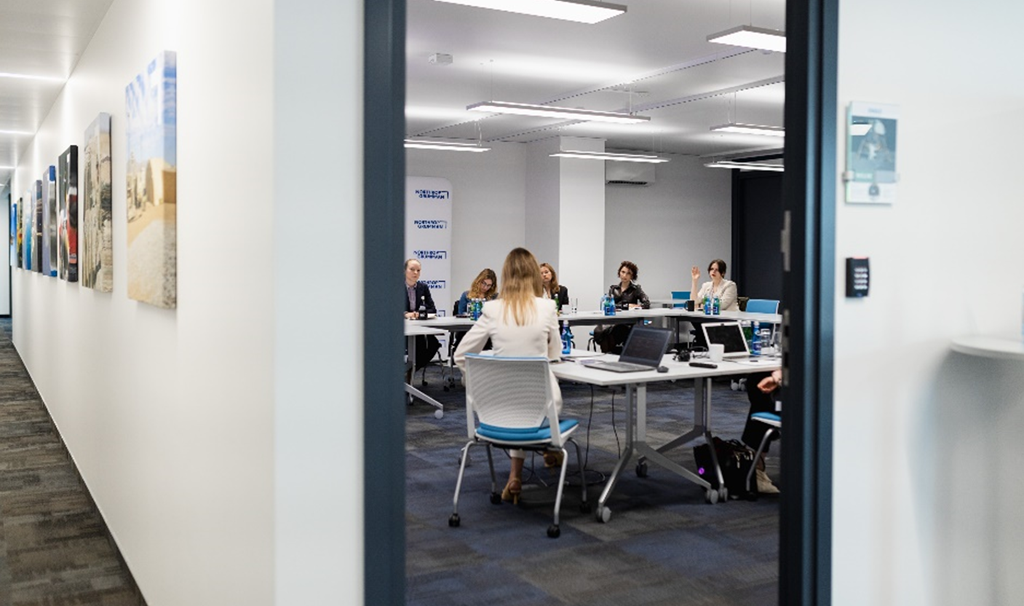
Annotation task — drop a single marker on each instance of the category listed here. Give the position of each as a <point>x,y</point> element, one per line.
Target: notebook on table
<point>644,350</point>
<point>729,334</point>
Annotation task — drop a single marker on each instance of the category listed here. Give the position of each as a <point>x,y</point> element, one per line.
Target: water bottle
<point>755,340</point>
<point>475,307</point>
<point>566,340</point>
<point>423,308</point>
<point>714,309</point>
<point>707,306</point>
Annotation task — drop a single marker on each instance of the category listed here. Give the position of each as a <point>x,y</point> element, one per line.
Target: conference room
<point>684,184</point>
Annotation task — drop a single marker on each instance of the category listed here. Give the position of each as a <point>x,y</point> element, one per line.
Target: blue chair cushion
<point>523,434</point>
<point>767,416</point>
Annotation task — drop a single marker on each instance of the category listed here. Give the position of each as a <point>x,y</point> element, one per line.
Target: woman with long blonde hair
<point>521,323</point>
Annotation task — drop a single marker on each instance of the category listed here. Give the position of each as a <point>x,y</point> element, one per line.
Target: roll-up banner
<point>428,236</point>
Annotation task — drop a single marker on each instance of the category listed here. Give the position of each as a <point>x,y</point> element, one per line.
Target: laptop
<point>644,350</point>
<point>729,334</point>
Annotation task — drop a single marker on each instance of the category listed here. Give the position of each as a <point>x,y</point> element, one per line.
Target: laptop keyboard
<point>623,366</point>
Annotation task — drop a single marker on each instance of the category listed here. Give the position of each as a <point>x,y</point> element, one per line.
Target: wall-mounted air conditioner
<point>628,173</point>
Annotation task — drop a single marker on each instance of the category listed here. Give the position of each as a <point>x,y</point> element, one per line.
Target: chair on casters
<point>774,423</point>
<point>682,296</point>
<point>513,401</point>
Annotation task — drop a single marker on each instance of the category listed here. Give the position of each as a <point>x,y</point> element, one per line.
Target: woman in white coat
<point>520,323</point>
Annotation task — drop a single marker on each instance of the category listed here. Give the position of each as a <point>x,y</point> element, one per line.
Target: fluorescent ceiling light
<point>445,145</point>
<point>750,129</point>
<point>549,111</point>
<point>582,11</point>
<point>31,77</point>
<point>752,37</point>
<point>587,155</point>
<point>15,132</point>
<point>746,165</point>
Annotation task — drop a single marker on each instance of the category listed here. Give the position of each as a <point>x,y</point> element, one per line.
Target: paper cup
<point>716,351</point>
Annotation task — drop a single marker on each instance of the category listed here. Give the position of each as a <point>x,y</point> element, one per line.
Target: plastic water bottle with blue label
<point>707,306</point>
<point>566,340</point>
<point>714,306</point>
<point>755,340</point>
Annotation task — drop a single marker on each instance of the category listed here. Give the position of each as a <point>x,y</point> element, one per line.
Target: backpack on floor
<point>735,459</point>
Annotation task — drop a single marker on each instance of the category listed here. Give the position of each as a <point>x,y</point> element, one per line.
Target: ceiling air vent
<point>628,173</point>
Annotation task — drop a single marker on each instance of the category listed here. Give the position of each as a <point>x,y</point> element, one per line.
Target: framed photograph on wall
<point>151,175</point>
<point>96,254</point>
<point>67,215</point>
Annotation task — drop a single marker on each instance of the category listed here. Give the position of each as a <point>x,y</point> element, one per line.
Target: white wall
<point>5,256</point>
<point>682,219</point>
<point>488,205</point>
<point>170,415</point>
<point>926,471</point>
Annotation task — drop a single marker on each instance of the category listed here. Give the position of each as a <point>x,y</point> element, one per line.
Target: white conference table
<point>413,330</point>
<point>636,415</point>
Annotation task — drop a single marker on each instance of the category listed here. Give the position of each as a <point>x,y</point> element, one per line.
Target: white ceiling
<point>658,50</point>
<point>38,38</point>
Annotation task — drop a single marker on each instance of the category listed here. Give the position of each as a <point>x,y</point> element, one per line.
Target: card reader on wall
<point>858,276</point>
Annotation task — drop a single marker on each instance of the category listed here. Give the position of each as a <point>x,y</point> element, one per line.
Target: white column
<point>565,215</point>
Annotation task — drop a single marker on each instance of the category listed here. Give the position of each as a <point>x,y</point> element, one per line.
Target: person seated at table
<point>520,323</point>
<point>416,294</point>
<point>760,389</point>
<point>717,286</point>
<point>628,295</point>
<point>484,286</point>
<point>552,289</point>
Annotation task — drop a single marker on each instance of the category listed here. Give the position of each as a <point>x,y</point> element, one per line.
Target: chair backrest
<point>762,306</point>
<point>513,393</point>
<point>681,294</point>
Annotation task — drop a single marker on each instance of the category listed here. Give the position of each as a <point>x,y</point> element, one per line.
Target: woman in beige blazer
<point>520,323</point>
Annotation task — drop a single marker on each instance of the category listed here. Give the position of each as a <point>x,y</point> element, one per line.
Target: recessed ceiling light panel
<point>445,146</point>
<point>581,11</point>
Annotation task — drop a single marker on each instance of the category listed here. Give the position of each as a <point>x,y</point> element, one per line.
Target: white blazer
<point>537,338</point>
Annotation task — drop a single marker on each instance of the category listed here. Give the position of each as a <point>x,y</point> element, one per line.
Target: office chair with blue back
<point>683,295</point>
<point>774,423</point>
<point>514,402</point>
<point>762,306</point>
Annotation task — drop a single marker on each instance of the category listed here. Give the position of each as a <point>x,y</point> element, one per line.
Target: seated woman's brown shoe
<point>553,459</point>
<point>512,490</point>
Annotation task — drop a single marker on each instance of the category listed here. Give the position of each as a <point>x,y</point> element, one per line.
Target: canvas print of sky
<point>96,254</point>
<point>151,175</point>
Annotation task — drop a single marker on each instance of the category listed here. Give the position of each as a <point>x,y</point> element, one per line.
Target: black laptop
<point>644,350</point>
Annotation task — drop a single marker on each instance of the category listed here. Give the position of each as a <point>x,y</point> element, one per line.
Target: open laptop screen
<point>645,345</point>
<point>729,334</point>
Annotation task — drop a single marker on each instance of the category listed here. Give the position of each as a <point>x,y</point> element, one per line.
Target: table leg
<point>410,344</point>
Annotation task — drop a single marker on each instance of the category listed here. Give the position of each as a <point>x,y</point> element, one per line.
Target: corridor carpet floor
<point>664,545</point>
<point>54,547</point>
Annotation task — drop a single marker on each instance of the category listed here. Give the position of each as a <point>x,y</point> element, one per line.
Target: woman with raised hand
<point>717,286</point>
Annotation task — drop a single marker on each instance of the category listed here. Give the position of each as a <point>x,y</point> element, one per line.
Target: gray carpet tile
<point>54,547</point>
<point>663,545</point>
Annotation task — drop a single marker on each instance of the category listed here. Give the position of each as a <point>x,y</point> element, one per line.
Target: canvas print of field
<point>96,254</point>
<point>151,103</point>
<point>50,222</point>
<point>67,216</point>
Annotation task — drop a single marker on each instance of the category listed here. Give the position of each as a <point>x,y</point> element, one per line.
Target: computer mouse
<point>663,369</point>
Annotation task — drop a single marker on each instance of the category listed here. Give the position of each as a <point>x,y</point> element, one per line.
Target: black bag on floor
<point>736,459</point>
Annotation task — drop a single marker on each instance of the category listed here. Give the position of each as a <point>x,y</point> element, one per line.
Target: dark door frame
<point>808,286</point>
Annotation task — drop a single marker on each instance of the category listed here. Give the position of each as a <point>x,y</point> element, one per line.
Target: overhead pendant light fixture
<point>581,11</point>
<point>588,155</point>
<point>750,129</point>
<point>777,168</point>
<point>445,145</point>
<point>550,111</point>
<point>752,37</point>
